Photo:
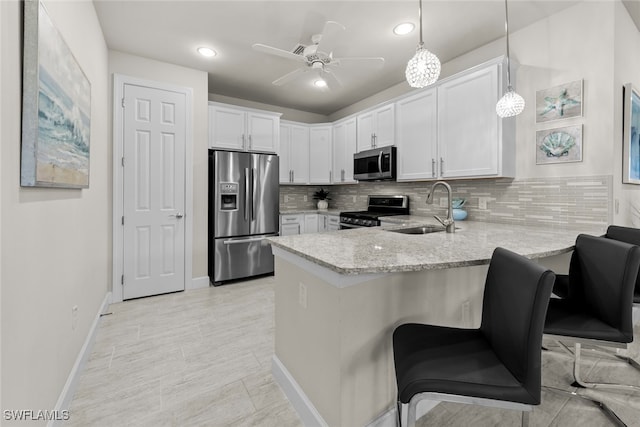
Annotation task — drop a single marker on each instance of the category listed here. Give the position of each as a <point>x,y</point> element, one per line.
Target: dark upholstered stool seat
<point>566,319</point>
<point>631,236</point>
<point>437,359</point>
<point>497,364</point>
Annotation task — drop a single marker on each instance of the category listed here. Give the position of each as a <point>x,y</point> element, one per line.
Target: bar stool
<point>497,365</point>
<point>596,309</point>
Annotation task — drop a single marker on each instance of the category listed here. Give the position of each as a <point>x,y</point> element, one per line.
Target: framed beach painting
<point>559,102</point>
<point>56,107</point>
<point>631,136</point>
<point>559,145</point>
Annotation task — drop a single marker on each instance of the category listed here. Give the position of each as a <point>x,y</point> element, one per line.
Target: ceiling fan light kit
<point>511,104</point>
<point>424,68</point>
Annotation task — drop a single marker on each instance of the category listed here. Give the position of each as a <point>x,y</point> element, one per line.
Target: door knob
<point>178,215</point>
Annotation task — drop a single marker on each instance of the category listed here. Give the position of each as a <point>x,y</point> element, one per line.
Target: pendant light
<point>424,68</point>
<point>511,104</point>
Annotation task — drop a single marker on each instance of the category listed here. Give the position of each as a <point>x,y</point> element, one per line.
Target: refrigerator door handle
<point>254,184</point>
<point>247,240</point>
<point>246,194</point>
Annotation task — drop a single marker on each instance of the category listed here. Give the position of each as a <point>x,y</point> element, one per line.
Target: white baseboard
<point>197,283</point>
<point>308,414</point>
<point>64,400</point>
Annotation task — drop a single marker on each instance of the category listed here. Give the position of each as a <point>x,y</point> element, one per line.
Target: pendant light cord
<point>420,19</point>
<point>506,30</point>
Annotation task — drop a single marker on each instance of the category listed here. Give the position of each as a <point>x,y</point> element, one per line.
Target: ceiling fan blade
<point>329,35</point>
<point>289,76</point>
<point>371,62</point>
<point>331,79</point>
<point>278,52</point>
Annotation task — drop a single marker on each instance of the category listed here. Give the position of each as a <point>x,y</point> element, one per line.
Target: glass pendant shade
<point>511,104</point>
<point>423,69</point>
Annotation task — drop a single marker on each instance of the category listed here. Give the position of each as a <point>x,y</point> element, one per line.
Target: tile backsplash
<point>567,202</point>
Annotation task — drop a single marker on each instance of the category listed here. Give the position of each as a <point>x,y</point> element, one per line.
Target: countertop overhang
<point>377,250</point>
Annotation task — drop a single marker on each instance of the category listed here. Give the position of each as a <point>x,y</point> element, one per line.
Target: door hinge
<point>122,161</point>
<point>122,102</point>
<point>123,220</point>
<point>122,279</point>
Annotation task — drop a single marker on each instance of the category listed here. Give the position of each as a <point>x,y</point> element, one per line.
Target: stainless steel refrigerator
<point>244,195</point>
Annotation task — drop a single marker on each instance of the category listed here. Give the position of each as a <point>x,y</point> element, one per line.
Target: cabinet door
<point>311,223</point>
<point>468,139</point>
<point>384,126</point>
<point>365,131</point>
<point>226,128</point>
<point>290,229</point>
<point>322,222</point>
<point>417,136</point>
<point>344,146</point>
<point>284,152</point>
<point>299,160</point>
<point>333,222</point>
<point>262,132</point>
<point>320,155</point>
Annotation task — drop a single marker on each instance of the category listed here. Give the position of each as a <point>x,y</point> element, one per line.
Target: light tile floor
<point>203,358</point>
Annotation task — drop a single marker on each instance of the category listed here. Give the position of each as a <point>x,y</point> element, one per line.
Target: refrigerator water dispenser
<point>228,196</point>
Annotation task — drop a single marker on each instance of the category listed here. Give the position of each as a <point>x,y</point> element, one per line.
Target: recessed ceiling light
<point>404,28</point>
<point>208,52</point>
<point>320,83</point>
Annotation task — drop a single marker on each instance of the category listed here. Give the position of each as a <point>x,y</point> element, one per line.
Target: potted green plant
<point>322,197</point>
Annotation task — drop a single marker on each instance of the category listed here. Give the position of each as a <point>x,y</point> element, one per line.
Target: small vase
<point>323,205</point>
<point>459,214</point>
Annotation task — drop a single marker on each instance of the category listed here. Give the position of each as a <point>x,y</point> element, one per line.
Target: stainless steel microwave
<point>375,165</point>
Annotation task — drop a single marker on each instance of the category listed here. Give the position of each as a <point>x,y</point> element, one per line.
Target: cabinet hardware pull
<point>250,143</point>
<point>433,167</point>
<point>441,165</point>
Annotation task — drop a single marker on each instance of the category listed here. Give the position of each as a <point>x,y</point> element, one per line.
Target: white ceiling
<point>170,31</point>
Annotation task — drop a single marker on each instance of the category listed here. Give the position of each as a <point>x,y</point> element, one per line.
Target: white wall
<point>55,243</point>
<point>148,69</point>
<point>627,70</point>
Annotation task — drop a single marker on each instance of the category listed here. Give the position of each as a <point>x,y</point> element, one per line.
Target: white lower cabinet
<point>328,222</point>
<point>311,223</point>
<point>291,224</point>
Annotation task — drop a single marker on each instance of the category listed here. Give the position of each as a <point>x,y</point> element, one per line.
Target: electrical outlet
<point>305,198</point>
<point>74,317</point>
<point>286,198</point>
<point>443,202</point>
<point>466,314</point>
<point>482,203</point>
<point>302,295</point>
<point>355,199</point>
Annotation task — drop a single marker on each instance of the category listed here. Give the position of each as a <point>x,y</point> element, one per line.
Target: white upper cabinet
<point>416,124</point>
<point>294,153</point>
<point>237,128</point>
<point>471,136</point>
<point>376,128</point>
<point>320,169</point>
<point>344,147</point>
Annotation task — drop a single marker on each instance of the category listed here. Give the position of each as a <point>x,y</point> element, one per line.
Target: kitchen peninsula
<point>339,296</point>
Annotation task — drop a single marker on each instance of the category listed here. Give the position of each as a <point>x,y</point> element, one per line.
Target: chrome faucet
<point>448,223</point>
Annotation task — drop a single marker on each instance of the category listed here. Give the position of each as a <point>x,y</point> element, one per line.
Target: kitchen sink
<point>419,230</point>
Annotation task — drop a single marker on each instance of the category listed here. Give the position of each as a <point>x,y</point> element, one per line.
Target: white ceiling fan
<point>318,57</point>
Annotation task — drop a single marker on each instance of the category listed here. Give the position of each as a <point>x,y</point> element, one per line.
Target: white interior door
<point>154,191</point>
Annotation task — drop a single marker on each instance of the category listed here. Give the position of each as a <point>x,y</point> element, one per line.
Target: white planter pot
<point>323,205</point>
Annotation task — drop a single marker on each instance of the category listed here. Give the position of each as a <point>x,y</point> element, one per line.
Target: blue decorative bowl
<point>459,214</point>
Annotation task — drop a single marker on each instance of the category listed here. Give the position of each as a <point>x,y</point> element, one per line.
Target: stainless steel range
<point>377,206</point>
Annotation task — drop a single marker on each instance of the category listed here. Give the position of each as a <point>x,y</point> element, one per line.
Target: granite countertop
<point>375,250</point>
<point>305,211</point>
